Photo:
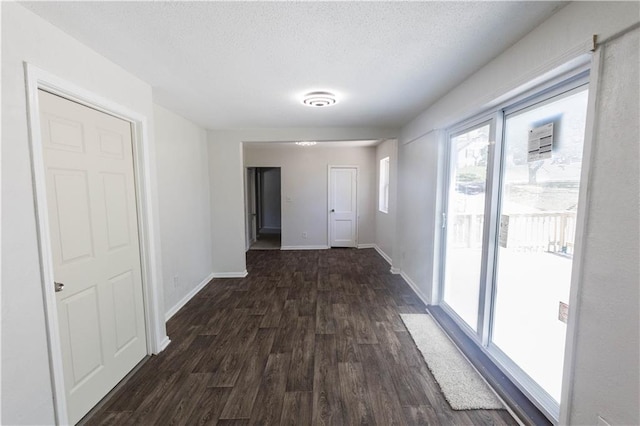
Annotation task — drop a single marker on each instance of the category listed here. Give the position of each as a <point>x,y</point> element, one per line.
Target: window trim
<point>383,189</point>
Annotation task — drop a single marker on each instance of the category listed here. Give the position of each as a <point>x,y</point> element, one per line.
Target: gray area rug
<point>461,384</point>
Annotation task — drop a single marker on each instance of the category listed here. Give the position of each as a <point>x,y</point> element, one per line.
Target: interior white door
<point>88,159</point>
<point>343,217</point>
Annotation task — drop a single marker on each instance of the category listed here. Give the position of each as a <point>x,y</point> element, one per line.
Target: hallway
<point>267,241</point>
<point>309,337</point>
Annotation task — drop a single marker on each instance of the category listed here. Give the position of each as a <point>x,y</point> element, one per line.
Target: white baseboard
<point>378,249</point>
<point>171,312</point>
<point>230,274</point>
<point>384,255</point>
<point>163,345</point>
<point>304,247</point>
<point>249,244</point>
<point>414,287</point>
<point>366,246</point>
<point>395,271</point>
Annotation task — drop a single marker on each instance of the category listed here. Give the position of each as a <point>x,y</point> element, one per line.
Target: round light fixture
<point>319,99</point>
<point>306,143</point>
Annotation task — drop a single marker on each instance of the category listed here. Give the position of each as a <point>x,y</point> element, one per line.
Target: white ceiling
<point>245,64</point>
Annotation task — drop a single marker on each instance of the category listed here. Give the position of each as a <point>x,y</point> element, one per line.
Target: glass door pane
<point>538,199</point>
<point>465,222</point>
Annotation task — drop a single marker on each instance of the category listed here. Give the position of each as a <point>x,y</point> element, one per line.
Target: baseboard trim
<point>366,246</point>
<point>249,244</point>
<point>414,287</point>
<point>378,249</point>
<point>163,345</point>
<point>230,274</point>
<point>171,312</point>
<point>384,255</point>
<point>395,271</point>
<point>304,248</point>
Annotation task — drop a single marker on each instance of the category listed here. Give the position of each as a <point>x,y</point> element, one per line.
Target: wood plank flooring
<point>309,337</point>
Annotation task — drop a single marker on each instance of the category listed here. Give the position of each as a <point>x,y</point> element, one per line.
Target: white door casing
<point>250,205</point>
<point>343,201</point>
<point>88,160</point>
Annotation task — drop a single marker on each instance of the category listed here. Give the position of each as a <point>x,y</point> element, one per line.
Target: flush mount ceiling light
<point>319,99</point>
<point>306,143</point>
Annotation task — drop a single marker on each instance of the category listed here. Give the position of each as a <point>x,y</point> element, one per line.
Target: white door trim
<point>329,167</point>
<point>150,258</point>
<point>249,206</point>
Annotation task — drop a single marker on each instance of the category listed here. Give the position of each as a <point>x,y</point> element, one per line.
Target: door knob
<point>58,287</point>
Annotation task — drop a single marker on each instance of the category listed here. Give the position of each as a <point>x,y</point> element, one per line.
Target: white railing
<point>552,232</point>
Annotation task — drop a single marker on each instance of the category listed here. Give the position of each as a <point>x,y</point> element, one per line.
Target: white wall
<point>386,222</point>
<point>227,176</point>
<point>607,349</point>
<point>227,204</point>
<point>561,38</point>
<point>418,224</point>
<point>185,206</point>
<point>304,172</point>
<point>271,200</point>
<point>26,384</point>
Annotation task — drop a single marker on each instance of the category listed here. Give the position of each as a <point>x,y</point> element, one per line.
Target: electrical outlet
<point>304,235</point>
<point>176,281</point>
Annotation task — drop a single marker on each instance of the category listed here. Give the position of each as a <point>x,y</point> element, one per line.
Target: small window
<point>383,193</point>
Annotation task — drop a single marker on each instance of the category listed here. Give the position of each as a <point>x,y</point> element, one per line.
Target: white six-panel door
<point>88,158</point>
<point>342,206</point>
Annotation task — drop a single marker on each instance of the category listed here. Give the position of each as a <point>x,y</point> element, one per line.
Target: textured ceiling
<point>245,64</point>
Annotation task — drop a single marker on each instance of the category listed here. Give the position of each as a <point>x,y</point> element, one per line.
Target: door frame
<point>258,193</point>
<point>257,201</point>
<point>150,254</point>
<point>494,120</point>
<point>329,168</point>
<point>250,206</point>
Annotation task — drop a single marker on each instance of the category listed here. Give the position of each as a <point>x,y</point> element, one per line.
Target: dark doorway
<point>268,212</point>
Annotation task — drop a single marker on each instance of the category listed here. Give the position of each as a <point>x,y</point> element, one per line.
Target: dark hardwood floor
<point>309,337</point>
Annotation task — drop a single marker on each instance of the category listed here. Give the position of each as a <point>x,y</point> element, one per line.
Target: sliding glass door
<point>469,151</point>
<point>509,234</point>
<point>539,200</point>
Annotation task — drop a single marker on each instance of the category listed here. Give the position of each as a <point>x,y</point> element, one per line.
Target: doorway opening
<point>264,211</point>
